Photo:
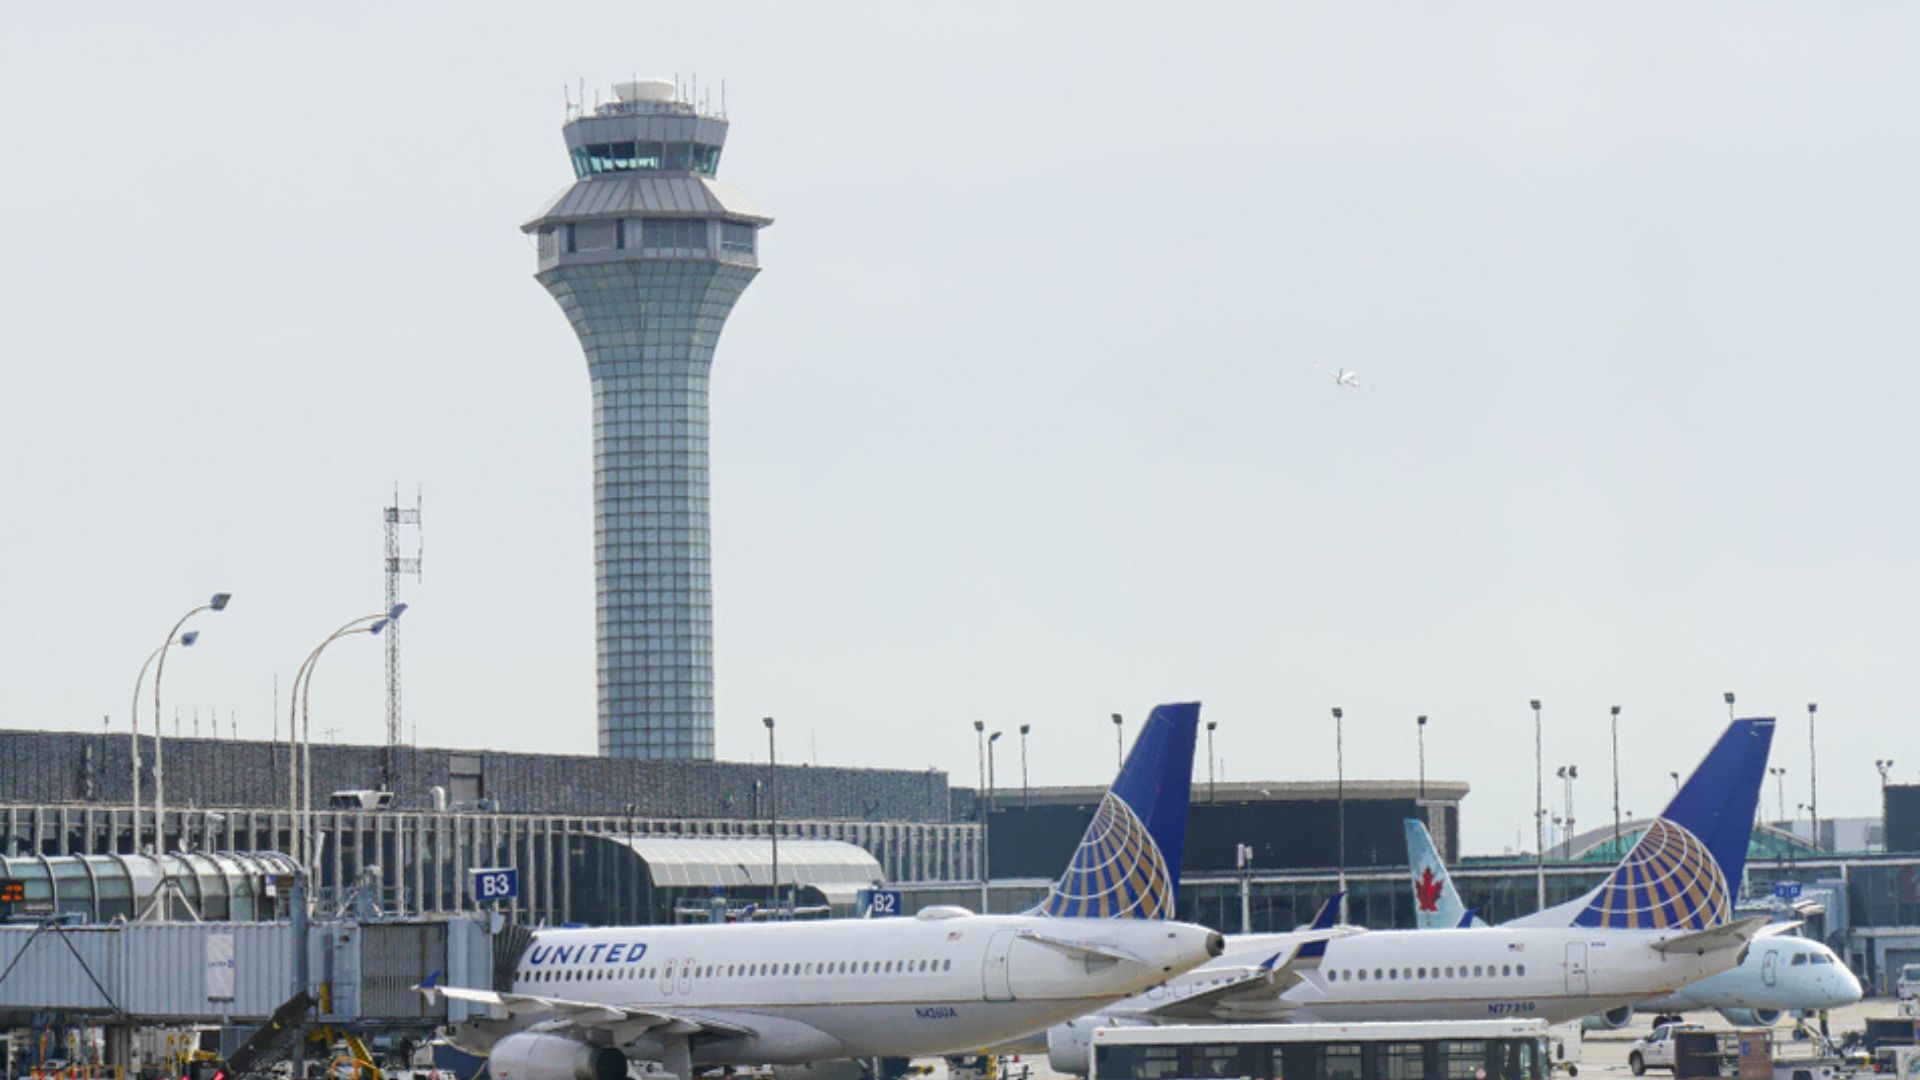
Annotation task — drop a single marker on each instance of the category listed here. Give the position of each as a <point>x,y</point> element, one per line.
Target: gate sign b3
<point>495,883</point>
<point>878,903</point>
<point>1786,890</point>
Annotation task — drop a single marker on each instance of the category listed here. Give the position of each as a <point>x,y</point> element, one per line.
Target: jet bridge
<point>142,973</point>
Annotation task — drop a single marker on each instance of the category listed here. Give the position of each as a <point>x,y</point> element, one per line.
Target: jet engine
<point>1611,1020</point>
<point>1751,1017</point>
<point>534,1055</point>
<point>1070,1045</point>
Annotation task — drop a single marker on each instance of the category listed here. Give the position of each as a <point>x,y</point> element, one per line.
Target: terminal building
<point>585,832</point>
<point>600,840</point>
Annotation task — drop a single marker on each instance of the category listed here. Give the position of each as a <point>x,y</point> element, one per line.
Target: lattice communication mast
<point>397,517</point>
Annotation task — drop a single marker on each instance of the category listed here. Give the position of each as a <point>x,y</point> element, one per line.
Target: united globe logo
<point>1669,881</point>
<point>1117,872</point>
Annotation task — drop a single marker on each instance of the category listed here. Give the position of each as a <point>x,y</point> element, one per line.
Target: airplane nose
<point>1216,944</point>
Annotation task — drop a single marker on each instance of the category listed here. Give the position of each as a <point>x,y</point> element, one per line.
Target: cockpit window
<point>1799,959</point>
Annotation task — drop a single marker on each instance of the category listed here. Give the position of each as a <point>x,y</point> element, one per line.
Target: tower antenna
<point>394,517</point>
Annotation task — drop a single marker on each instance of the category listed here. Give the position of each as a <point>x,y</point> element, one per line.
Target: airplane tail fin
<point>1436,903</point>
<point>1686,868</point>
<point>1328,916</point>
<point>1128,864</point>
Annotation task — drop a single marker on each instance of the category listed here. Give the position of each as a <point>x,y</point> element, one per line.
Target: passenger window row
<point>1462,971</point>
<point>739,971</point>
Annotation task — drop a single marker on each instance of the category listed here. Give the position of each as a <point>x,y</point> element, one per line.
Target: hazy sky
<point>1020,421</point>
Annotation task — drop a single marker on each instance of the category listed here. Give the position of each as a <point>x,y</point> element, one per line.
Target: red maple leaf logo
<point>1426,891</point>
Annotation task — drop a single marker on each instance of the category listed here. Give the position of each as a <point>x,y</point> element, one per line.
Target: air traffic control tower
<point>646,254</point>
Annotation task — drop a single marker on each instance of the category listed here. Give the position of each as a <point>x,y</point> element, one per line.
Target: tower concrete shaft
<point>646,254</point>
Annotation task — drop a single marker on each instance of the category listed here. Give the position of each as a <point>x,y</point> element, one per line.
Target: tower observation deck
<point>646,254</point>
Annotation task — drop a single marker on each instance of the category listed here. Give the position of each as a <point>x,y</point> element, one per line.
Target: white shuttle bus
<point>1441,1050</point>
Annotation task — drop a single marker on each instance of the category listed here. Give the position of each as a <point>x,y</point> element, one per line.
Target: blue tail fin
<point>1436,904</point>
<point>1128,864</point>
<point>1328,916</point>
<point>1684,871</point>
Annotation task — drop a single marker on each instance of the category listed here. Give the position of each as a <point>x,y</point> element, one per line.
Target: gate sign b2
<point>495,883</point>
<point>879,903</point>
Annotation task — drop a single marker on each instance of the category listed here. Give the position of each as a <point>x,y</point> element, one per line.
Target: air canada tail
<point>1128,864</point>
<point>1683,872</point>
<point>1436,903</point>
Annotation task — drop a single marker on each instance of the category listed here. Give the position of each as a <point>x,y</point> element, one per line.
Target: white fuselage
<point>1779,972</point>
<point>1554,975</point>
<point>809,991</point>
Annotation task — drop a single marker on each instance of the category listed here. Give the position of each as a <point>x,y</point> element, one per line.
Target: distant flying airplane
<point>1344,377</point>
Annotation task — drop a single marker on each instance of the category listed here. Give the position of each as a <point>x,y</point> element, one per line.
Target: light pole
<point>980,807</point>
<point>1728,698</point>
<point>773,812</point>
<point>186,640</point>
<point>1616,782</point>
<point>1813,776</point>
<point>993,794</point>
<point>300,762</point>
<point>1885,765</point>
<point>1025,801</point>
<point>1420,733</point>
<point>218,602</point>
<point>1211,724</point>
<point>986,825</point>
<point>1119,754</point>
<point>1568,774</point>
<point>1780,783</point>
<point>1539,811</point>
<point>1340,795</point>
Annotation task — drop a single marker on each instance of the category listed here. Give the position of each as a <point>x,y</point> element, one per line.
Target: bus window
<point>1221,1062</point>
<point>1340,1061</point>
<point>1403,1061</point>
<point>1463,1059</point>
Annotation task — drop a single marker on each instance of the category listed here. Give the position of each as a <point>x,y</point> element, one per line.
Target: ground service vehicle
<point>1656,1050</point>
<point>1489,1049</point>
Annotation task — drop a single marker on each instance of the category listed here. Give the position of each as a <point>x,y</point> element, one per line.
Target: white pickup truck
<point>1907,987</point>
<point>1655,1051</point>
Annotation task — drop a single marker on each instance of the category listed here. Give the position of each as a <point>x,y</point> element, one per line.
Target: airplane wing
<point>1725,936</point>
<point>1259,986</point>
<point>629,1021</point>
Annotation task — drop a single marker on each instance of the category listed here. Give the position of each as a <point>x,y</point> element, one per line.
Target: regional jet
<point>1781,972</point>
<point>1661,920</point>
<point>581,1004</point>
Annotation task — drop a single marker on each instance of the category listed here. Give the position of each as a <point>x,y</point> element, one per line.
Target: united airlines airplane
<point>1660,921</point>
<point>1780,972</point>
<point>581,1003</point>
